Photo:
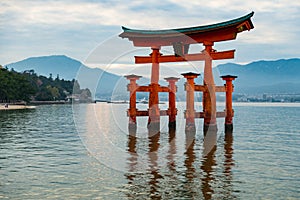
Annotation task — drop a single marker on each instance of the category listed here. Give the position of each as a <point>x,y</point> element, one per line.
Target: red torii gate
<point>181,39</point>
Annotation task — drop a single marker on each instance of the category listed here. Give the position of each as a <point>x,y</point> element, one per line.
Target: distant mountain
<point>68,68</point>
<point>280,76</point>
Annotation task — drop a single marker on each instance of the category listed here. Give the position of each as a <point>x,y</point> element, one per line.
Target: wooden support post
<point>172,111</point>
<point>154,114</point>
<point>132,111</point>
<point>209,96</point>
<point>228,109</point>
<point>190,107</point>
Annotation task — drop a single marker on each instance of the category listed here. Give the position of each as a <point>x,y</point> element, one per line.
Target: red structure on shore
<point>181,39</point>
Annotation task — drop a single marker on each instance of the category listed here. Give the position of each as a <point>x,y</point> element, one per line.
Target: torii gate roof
<point>209,33</point>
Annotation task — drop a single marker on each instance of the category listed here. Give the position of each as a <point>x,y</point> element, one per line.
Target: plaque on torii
<point>181,39</point>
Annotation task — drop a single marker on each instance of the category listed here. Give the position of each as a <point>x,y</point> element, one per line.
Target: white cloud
<point>236,6</point>
<point>151,15</point>
<point>78,26</point>
<point>69,13</point>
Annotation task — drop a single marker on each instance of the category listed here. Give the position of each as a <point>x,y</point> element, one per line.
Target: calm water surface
<point>85,152</point>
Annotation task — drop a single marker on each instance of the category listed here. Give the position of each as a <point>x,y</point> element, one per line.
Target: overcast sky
<point>79,28</point>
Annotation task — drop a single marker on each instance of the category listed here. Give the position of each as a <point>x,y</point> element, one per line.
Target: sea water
<point>84,151</point>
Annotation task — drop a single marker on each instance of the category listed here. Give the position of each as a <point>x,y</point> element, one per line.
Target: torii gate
<point>181,39</point>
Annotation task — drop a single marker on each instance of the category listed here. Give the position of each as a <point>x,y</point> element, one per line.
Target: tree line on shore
<point>28,86</point>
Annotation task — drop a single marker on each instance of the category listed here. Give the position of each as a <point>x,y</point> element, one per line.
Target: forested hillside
<point>27,86</point>
<point>15,86</point>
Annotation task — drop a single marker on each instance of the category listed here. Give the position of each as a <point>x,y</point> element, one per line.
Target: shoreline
<point>15,107</point>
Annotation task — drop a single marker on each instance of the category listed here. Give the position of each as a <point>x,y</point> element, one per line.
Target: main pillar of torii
<point>181,39</point>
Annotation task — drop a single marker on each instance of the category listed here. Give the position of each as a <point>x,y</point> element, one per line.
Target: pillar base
<point>172,125</point>
<point>172,134</point>
<point>153,128</point>
<point>228,128</point>
<point>209,128</point>
<point>132,129</point>
<point>190,128</point>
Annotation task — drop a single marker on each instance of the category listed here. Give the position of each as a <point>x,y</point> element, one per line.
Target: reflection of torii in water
<point>181,39</point>
<point>152,174</point>
<point>198,182</point>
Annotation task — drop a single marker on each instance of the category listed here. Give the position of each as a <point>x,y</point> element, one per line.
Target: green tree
<point>53,91</point>
<point>28,85</point>
<point>15,86</point>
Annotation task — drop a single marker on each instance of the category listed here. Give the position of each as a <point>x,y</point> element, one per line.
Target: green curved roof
<point>197,29</point>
